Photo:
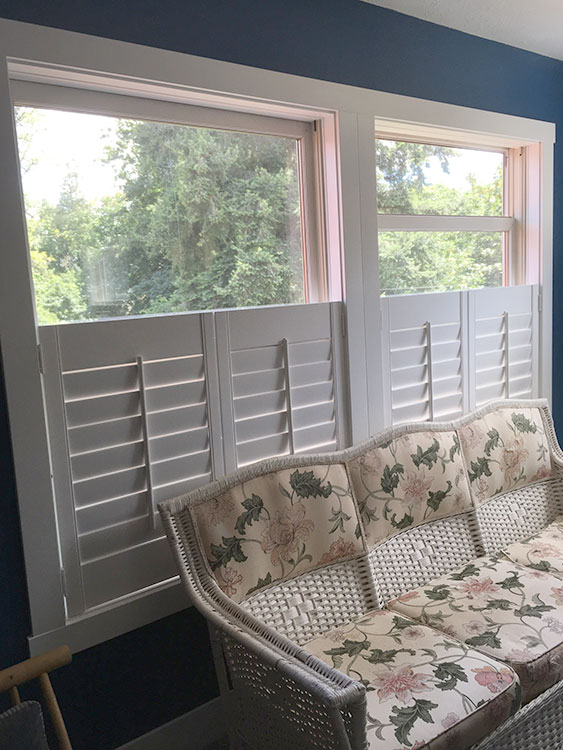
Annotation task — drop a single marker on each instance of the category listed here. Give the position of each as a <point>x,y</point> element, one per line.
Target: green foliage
<point>434,261</point>
<point>488,638</point>
<point>405,718</point>
<point>479,468</point>
<point>58,295</point>
<point>204,219</point>
<point>438,592</point>
<point>404,523</point>
<point>253,506</point>
<point>306,484</point>
<point>492,442</point>
<point>208,219</point>
<point>224,553</point>
<point>469,570</point>
<point>348,648</point>
<point>427,457</point>
<point>523,424</point>
<point>266,581</point>
<point>435,498</point>
<point>390,478</point>
<point>449,674</point>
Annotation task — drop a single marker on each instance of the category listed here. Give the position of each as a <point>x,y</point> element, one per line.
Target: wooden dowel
<point>54,711</point>
<point>15,696</point>
<point>30,669</point>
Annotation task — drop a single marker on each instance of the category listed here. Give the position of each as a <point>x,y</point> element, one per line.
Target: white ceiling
<point>535,25</point>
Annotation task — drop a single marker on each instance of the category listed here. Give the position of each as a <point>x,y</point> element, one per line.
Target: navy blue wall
<point>125,687</point>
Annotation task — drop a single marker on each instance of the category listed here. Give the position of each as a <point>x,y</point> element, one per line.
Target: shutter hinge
<point>540,302</point>
<point>344,321</point>
<point>63,581</point>
<point>315,126</point>
<point>40,358</point>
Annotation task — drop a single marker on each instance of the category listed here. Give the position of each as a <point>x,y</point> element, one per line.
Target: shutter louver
<point>505,348</point>
<point>422,340</point>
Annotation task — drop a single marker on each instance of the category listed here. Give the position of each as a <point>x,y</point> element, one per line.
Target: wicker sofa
<point>402,593</point>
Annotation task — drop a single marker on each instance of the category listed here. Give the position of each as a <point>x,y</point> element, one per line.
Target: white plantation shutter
<point>447,353</point>
<point>143,409</point>
<point>505,352</point>
<point>422,357</point>
<point>279,369</point>
<point>130,429</point>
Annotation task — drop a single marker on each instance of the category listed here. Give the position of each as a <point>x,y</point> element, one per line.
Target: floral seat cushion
<point>424,690</point>
<point>501,608</point>
<point>543,551</point>
<point>278,526</point>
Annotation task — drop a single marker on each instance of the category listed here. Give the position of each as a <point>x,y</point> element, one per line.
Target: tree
<point>212,217</point>
<point>434,261</point>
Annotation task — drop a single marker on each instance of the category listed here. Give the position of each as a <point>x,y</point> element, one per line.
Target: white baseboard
<point>192,731</point>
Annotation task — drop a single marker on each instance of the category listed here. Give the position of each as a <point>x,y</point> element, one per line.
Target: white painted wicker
<point>419,555</point>
<point>281,697</point>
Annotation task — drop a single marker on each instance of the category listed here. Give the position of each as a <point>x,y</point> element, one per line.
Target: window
<point>456,333</point>
<point>144,397</point>
<point>426,198</point>
<point>136,217</point>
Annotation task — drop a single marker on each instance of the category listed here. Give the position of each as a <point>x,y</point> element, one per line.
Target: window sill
<point>98,626</point>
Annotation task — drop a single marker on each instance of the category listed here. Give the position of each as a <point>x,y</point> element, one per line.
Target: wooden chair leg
<point>54,711</point>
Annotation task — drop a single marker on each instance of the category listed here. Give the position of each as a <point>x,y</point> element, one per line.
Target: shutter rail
<point>146,439</point>
<point>506,331</point>
<point>286,364</point>
<point>428,328</point>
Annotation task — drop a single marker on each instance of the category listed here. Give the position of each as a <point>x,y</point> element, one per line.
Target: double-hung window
<point>460,299</point>
<point>174,252</point>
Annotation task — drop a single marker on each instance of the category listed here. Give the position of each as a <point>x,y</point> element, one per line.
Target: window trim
<point>347,116</point>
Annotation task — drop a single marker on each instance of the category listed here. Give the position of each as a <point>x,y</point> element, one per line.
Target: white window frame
<point>345,117</point>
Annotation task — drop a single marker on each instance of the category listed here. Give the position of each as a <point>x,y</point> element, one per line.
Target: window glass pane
<point>418,262</point>
<point>415,178</point>
<point>130,217</point>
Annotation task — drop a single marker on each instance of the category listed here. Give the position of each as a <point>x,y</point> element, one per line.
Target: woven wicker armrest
<point>330,687</point>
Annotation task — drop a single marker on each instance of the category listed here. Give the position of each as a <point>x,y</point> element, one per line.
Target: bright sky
<point>75,142</point>
<point>70,142</point>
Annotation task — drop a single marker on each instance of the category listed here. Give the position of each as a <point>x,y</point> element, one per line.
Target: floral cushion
<point>504,610</point>
<point>543,551</point>
<point>414,478</point>
<point>503,450</point>
<point>278,526</point>
<point>423,689</point>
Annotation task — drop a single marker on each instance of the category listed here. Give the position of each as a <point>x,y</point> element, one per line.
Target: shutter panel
<point>422,356</point>
<point>143,409</point>
<point>279,367</point>
<point>505,325</point>
<point>134,400</point>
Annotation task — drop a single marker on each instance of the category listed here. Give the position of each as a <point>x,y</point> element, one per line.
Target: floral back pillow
<point>416,477</point>
<point>277,526</point>
<point>504,450</point>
